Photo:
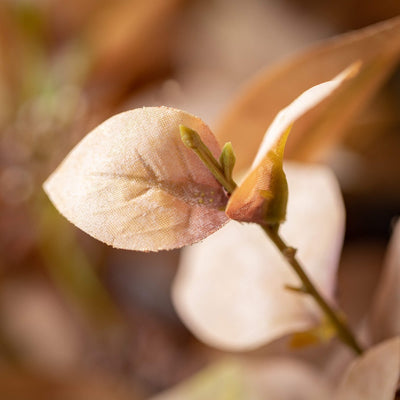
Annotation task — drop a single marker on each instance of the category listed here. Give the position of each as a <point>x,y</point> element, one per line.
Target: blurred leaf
<point>347,14</point>
<point>385,313</point>
<point>230,289</point>
<point>74,275</point>
<point>374,375</point>
<point>262,196</point>
<point>222,381</point>
<point>128,40</point>
<point>378,47</point>
<point>133,184</point>
<point>234,380</point>
<point>39,327</point>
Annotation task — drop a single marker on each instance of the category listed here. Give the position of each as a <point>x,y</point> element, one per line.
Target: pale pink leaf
<point>385,313</point>
<point>373,376</point>
<point>133,184</point>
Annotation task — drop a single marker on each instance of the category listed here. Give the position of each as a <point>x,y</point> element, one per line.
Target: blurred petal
<point>133,184</point>
<point>377,47</point>
<point>373,376</point>
<point>229,289</point>
<point>237,380</point>
<point>262,196</point>
<point>385,313</point>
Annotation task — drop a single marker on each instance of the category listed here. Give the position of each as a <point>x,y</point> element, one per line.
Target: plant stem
<point>342,329</point>
<point>192,140</point>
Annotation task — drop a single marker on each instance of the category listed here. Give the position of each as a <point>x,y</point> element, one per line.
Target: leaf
<point>385,311</point>
<point>229,290</point>
<point>377,47</point>
<point>235,380</point>
<point>128,41</point>
<point>133,184</point>
<point>374,375</point>
<point>262,196</point>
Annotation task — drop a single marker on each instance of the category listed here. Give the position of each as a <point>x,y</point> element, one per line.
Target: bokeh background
<point>79,319</point>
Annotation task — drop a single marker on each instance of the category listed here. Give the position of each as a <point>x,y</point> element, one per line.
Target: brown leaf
<point>128,41</point>
<point>133,184</point>
<point>378,47</point>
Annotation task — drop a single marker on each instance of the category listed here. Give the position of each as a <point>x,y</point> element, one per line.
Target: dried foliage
<point>377,47</point>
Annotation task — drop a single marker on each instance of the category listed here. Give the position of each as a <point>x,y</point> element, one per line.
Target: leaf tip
<point>189,137</point>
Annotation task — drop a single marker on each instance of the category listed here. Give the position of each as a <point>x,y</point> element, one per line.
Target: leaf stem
<point>192,140</point>
<point>342,329</point>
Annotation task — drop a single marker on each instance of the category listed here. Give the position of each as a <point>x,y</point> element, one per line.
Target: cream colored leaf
<point>235,380</point>
<point>132,183</point>
<point>377,47</point>
<point>229,290</point>
<point>385,314</point>
<point>373,376</point>
<point>262,196</point>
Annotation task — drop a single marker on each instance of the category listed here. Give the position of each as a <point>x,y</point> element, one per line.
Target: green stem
<point>192,140</point>
<point>342,329</point>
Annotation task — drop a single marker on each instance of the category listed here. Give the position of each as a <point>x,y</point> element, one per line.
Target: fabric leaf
<point>132,183</point>
<point>262,196</point>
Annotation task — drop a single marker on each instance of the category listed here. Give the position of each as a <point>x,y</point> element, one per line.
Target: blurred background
<point>79,319</point>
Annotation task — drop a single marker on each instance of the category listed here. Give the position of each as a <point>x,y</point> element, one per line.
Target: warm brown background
<point>78,319</point>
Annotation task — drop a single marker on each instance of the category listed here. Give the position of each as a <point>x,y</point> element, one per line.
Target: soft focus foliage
<point>375,375</point>
<point>236,380</point>
<point>377,47</point>
<point>385,314</point>
<point>81,320</point>
<point>133,184</point>
<point>230,289</point>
